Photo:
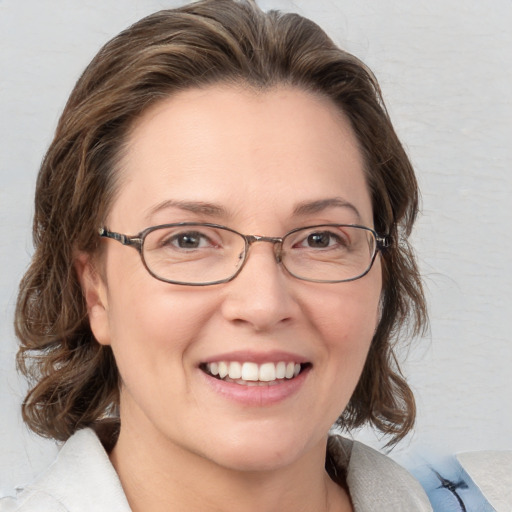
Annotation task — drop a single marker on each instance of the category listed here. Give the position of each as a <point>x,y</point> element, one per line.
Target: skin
<point>257,155</point>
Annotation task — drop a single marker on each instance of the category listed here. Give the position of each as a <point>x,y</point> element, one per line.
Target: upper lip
<point>258,357</point>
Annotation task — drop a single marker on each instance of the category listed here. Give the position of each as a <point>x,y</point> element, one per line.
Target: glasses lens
<point>193,253</point>
<point>330,253</point>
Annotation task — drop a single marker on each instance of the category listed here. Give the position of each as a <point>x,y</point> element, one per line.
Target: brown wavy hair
<point>74,380</point>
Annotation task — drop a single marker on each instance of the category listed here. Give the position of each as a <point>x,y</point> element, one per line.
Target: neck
<point>156,474</point>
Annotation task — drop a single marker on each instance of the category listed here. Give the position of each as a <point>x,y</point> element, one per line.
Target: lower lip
<point>257,396</point>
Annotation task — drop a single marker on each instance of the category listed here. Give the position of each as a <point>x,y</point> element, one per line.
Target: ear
<point>94,289</point>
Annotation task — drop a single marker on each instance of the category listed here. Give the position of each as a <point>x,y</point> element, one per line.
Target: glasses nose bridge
<point>275,240</point>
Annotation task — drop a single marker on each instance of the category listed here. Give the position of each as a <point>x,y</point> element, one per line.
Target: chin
<point>257,460</point>
<point>260,451</point>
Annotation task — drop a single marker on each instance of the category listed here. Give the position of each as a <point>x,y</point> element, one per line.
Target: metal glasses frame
<point>137,242</point>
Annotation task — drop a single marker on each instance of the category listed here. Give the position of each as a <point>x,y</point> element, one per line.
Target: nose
<point>261,296</point>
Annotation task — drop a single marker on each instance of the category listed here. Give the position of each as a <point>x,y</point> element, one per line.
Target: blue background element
<point>447,472</point>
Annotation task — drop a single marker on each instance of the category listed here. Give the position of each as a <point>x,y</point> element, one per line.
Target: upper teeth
<point>249,371</point>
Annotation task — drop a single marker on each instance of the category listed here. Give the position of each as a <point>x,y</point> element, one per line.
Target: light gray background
<point>445,67</point>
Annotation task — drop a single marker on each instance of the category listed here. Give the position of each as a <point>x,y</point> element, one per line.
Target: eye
<point>319,239</point>
<point>322,240</point>
<point>189,240</point>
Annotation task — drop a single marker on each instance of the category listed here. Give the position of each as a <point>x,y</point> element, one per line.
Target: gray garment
<point>82,479</point>
<point>376,483</point>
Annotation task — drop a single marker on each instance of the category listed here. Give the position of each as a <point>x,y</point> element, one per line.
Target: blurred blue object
<point>450,488</point>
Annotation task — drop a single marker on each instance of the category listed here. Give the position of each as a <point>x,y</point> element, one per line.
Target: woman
<point>221,271</point>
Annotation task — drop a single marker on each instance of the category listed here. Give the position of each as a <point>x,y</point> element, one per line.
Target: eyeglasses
<point>201,254</point>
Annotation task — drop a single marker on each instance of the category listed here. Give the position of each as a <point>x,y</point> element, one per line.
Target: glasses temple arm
<point>384,242</point>
<point>125,240</point>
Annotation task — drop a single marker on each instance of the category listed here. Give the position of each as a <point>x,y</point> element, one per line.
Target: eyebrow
<point>201,207</point>
<point>206,208</point>
<point>312,207</point>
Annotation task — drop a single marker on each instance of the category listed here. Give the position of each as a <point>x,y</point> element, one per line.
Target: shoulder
<point>80,479</point>
<point>375,481</point>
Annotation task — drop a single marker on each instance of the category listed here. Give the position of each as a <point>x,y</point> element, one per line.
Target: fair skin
<point>189,441</point>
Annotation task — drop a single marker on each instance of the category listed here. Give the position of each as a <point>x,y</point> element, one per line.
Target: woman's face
<point>260,163</point>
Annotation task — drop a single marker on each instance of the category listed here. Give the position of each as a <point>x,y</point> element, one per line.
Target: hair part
<point>75,382</point>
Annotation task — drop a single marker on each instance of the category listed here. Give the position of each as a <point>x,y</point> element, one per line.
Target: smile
<point>253,374</point>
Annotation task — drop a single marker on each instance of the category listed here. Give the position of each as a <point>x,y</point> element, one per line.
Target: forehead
<point>249,151</point>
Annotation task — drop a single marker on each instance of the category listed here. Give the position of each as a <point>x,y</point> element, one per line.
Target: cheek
<point>349,313</point>
<point>347,316</point>
<point>152,345</point>
<point>148,329</point>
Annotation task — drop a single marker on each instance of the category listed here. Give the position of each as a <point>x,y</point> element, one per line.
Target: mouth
<point>252,374</point>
